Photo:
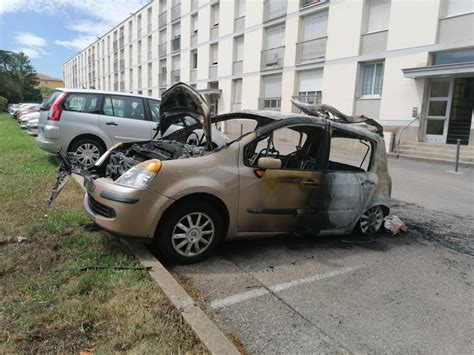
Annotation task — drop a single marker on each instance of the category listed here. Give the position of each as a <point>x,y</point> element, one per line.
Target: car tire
<point>189,232</point>
<point>371,222</point>
<point>87,150</point>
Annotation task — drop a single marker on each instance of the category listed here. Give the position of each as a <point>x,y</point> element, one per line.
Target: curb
<point>206,330</point>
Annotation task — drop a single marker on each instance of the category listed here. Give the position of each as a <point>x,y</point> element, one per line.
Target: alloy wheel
<point>193,234</point>
<point>87,154</point>
<point>371,221</point>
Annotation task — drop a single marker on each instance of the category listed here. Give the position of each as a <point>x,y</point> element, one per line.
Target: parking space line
<point>261,291</point>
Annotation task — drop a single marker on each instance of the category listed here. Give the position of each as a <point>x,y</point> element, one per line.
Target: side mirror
<point>269,163</point>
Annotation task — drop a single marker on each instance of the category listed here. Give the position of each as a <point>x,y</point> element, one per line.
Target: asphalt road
<point>410,293</point>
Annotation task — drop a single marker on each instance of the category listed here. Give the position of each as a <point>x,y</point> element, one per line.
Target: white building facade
<point>388,60</point>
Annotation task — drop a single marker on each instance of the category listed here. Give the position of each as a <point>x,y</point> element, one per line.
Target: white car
<point>27,118</point>
<point>32,127</point>
<point>88,122</point>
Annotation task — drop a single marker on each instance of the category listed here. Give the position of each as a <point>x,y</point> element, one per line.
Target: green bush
<point>3,104</point>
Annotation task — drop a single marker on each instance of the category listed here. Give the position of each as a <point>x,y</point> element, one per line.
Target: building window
<point>239,49</point>
<point>271,93</point>
<point>194,24</point>
<point>372,78</point>
<point>377,15</point>
<point>452,57</point>
<point>239,8</point>
<point>194,60</point>
<point>214,54</point>
<point>237,91</point>
<point>215,16</point>
<point>457,7</point>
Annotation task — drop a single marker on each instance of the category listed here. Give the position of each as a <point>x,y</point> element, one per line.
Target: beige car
<point>287,173</point>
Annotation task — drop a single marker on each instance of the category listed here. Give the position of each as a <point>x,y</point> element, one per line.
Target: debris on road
<point>394,225</point>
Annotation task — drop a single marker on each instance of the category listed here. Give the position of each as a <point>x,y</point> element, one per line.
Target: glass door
<point>438,108</point>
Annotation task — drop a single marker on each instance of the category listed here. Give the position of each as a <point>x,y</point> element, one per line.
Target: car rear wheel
<point>87,151</point>
<point>371,221</point>
<point>189,232</point>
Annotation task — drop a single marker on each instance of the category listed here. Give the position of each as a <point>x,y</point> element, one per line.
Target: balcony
<point>139,32</point>
<point>310,51</point>
<point>239,24</point>
<point>193,75</point>
<point>149,28</point>
<point>176,44</point>
<point>214,32</point>
<point>129,40</point>
<point>194,5</point>
<point>115,45</point>
<point>162,19</point>
<point>139,83</point>
<point>175,76</point>
<point>306,3</point>
<point>122,86</point>
<point>122,64</point>
<point>237,68</point>
<point>162,49</point>
<point>176,12</point>
<point>272,58</point>
<point>121,42</point>
<point>150,82</point>
<point>269,103</point>
<point>139,58</point>
<point>116,86</point>
<point>115,66</point>
<point>194,39</point>
<point>213,72</point>
<point>150,55</point>
<point>273,9</point>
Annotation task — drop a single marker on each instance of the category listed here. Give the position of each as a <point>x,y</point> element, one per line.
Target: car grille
<point>99,208</point>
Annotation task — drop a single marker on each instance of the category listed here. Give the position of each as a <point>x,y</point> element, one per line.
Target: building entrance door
<point>438,109</point>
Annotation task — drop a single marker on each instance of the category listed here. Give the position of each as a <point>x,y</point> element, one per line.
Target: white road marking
<point>261,291</point>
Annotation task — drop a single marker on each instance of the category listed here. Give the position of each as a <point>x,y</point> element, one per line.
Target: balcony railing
<point>122,86</point>
<point>312,50</point>
<point>176,12</point>
<point>237,67</point>
<point>162,49</point>
<point>175,76</point>
<point>213,72</point>
<point>129,39</point>
<point>149,28</point>
<point>139,32</point>
<point>269,103</point>
<point>194,5</point>
<point>273,58</point>
<point>162,19</point>
<point>304,3</point>
<point>162,78</point>
<point>193,75</point>
<point>150,54</point>
<point>309,99</point>
<point>214,32</point>
<point>122,64</point>
<point>116,86</point>
<point>273,9</point>
<point>121,42</point>
<point>150,83</point>
<point>194,39</point>
<point>176,44</point>
<point>239,24</point>
<point>115,66</point>
<point>139,59</point>
<point>115,45</point>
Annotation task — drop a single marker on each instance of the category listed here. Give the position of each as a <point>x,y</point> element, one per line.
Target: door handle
<point>310,183</point>
<point>111,123</point>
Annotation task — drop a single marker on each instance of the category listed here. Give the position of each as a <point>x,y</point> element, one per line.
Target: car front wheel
<point>189,232</point>
<point>87,151</point>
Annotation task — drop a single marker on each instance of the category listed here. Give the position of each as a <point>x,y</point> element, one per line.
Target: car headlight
<point>140,175</point>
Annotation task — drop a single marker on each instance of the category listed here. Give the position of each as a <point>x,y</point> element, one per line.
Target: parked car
<point>88,122</point>
<point>30,108</point>
<point>32,127</point>
<point>281,177</point>
<point>12,108</point>
<point>28,117</point>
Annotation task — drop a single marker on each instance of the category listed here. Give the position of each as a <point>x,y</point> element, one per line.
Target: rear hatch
<point>44,109</point>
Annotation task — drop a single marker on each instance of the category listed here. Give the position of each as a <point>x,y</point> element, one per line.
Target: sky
<point>51,32</point>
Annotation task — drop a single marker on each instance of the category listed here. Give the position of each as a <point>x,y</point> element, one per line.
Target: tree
<point>45,91</point>
<point>18,78</point>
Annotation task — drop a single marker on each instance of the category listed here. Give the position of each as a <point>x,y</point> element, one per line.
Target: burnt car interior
<point>303,154</point>
<point>349,152</point>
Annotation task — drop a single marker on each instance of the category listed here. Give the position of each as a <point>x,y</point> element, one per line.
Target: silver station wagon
<point>317,173</point>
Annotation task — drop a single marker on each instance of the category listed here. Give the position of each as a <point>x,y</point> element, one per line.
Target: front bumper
<point>124,210</point>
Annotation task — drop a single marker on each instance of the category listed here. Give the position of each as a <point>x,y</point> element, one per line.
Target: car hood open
<point>333,114</point>
<point>182,100</point>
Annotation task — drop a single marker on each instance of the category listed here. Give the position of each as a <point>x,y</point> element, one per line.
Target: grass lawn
<point>46,303</point>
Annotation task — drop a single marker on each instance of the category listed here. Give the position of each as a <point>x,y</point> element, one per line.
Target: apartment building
<point>388,60</point>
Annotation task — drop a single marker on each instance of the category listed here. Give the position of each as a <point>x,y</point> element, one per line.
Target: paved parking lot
<point>411,293</point>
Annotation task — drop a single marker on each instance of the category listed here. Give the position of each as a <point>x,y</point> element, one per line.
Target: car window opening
<point>350,153</point>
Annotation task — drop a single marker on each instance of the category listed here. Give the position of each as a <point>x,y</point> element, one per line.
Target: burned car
<point>288,173</point>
